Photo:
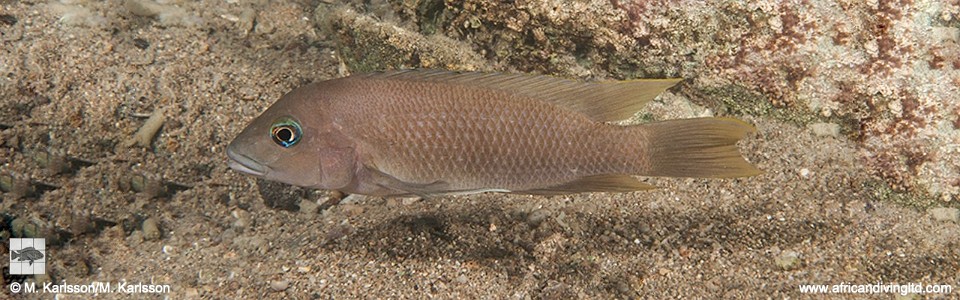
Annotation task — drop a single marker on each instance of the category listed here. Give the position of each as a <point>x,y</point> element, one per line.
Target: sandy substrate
<point>78,86</point>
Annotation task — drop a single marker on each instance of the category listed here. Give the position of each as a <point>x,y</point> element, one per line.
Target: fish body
<point>31,254</point>
<point>438,132</point>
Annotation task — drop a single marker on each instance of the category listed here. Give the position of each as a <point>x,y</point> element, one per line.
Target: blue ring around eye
<point>286,132</point>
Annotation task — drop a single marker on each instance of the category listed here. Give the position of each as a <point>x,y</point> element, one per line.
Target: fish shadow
<point>499,239</point>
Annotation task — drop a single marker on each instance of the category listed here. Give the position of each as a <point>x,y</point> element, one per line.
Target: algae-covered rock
<point>366,44</point>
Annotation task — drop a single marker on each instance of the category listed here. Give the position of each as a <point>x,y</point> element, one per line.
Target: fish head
<point>295,142</point>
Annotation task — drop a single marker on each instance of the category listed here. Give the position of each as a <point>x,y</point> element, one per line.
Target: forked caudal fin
<point>703,147</point>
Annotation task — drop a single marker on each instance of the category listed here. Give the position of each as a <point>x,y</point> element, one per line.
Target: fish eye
<point>286,132</point>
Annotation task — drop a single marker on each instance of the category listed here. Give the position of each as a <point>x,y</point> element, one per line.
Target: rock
<point>788,260</point>
<point>168,15</point>
<point>135,238</point>
<point>253,244</point>
<point>243,219</point>
<point>279,285</point>
<point>55,163</point>
<point>42,278</point>
<point>191,293</point>
<point>16,227</point>
<point>18,186</point>
<point>308,207</point>
<point>367,44</point>
<point>337,232</point>
<point>81,224</point>
<point>150,186</point>
<point>410,201</point>
<point>351,210</point>
<point>227,236</point>
<point>30,230</point>
<point>538,216</point>
<point>907,297</point>
<point>74,15</point>
<point>557,290</point>
<point>151,229</point>
<point>825,129</point>
<point>945,214</point>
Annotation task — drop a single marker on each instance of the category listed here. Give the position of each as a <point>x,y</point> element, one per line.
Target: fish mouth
<point>242,163</point>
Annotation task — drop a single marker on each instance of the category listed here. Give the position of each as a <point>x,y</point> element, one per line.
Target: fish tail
<point>701,147</point>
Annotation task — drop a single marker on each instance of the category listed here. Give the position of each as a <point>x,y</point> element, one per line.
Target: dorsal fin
<point>596,183</point>
<point>600,101</point>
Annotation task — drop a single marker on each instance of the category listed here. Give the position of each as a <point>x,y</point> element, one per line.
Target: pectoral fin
<point>596,183</point>
<point>390,182</point>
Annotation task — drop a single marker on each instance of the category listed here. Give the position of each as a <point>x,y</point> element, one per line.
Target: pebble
<point>279,285</point>
<point>191,293</point>
<point>352,198</point>
<point>243,221</point>
<point>351,210</point>
<point>309,207</point>
<point>945,214</point>
<point>81,224</point>
<point>56,164</point>
<point>42,278</point>
<point>151,230</point>
<point>135,238</point>
<point>17,186</point>
<point>538,216</point>
<point>788,260</point>
<point>30,230</point>
<point>246,20</point>
<point>337,232</point>
<point>16,227</point>
<point>908,297</point>
<point>252,244</point>
<point>150,186</point>
<point>410,201</point>
<point>559,290</point>
<point>825,129</point>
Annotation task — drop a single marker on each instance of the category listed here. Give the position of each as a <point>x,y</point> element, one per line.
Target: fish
<point>435,132</point>
<point>29,253</point>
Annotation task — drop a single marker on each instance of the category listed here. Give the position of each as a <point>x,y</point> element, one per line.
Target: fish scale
<point>510,141</point>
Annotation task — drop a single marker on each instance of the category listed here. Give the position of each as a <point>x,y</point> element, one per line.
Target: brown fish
<point>440,132</point>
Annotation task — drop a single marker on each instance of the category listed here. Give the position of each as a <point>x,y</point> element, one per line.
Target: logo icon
<point>28,256</point>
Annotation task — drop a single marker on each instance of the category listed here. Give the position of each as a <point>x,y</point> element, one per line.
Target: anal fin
<point>597,183</point>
